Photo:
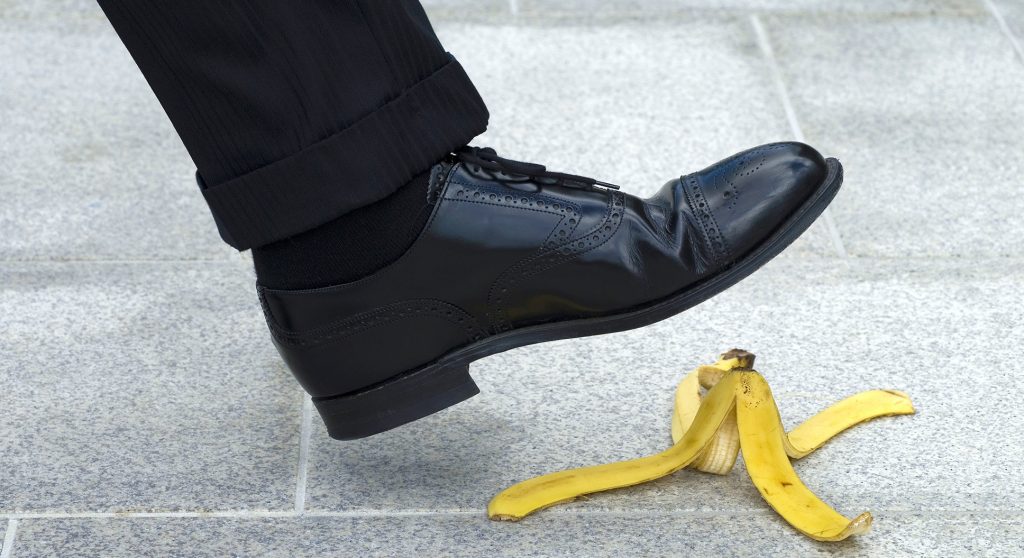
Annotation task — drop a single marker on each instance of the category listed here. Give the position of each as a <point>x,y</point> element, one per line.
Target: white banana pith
<point>737,413</point>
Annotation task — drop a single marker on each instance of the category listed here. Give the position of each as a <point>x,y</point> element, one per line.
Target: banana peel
<point>709,430</point>
<point>538,493</point>
<point>844,415</point>
<point>721,454</point>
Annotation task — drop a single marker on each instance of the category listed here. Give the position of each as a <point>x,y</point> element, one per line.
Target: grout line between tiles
<point>794,125</point>
<point>6,551</point>
<point>994,10</point>
<point>1014,514</point>
<point>231,261</point>
<point>513,7</point>
<point>305,435</point>
<point>240,514</point>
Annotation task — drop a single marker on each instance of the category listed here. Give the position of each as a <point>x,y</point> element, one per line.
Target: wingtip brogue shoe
<point>514,254</point>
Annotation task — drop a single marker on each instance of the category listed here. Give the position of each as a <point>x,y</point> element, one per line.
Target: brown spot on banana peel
<point>516,518</point>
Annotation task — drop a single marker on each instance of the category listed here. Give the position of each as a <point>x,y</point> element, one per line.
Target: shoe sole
<point>445,382</point>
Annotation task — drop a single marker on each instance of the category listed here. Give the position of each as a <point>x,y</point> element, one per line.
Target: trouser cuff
<point>359,165</point>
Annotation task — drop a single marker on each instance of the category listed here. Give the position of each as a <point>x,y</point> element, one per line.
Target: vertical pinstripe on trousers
<point>296,113</point>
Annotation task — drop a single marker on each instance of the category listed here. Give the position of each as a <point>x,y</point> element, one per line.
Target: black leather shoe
<point>514,254</point>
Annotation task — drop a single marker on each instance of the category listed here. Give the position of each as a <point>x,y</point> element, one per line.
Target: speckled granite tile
<point>632,105</point>
<point>932,329</point>
<point>1012,11</point>
<point>92,167</point>
<point>49,10</point>
<point>569,535</point>
<point>934,157</point>
<point>617,11</point>
<point>468,10</point>
<point>135,387</point>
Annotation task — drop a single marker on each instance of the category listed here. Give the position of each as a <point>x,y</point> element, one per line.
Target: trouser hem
<point>357,166</point>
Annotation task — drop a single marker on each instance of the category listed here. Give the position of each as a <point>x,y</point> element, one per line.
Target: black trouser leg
<point>296,113</point>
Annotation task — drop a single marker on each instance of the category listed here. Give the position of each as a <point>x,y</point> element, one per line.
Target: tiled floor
<point>144,411</point>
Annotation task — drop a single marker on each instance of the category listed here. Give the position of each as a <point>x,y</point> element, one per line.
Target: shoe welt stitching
<point>378,317</point>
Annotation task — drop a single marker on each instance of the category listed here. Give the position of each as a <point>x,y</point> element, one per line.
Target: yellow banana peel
<point>524,498</point>
<point>720,455</point>
<point>764,452</point>
<point>846,414</point>
<point>738,413</point>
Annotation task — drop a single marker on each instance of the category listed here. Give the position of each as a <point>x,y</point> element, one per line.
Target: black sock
<point>350,247</point>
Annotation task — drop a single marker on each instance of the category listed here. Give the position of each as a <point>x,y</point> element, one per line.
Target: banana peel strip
<point>720,455</point>
<point>737,414</point>
<point>764,452</point>
<point>849,412</point>
<point>535,494</point>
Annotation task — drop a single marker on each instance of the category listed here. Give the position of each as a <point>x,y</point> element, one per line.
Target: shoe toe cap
<point>749,195</point>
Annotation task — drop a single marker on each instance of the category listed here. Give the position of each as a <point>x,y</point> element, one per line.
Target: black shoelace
<point>487,158</point>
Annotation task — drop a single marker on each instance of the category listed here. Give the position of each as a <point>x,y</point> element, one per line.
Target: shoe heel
<point>395,402</point>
